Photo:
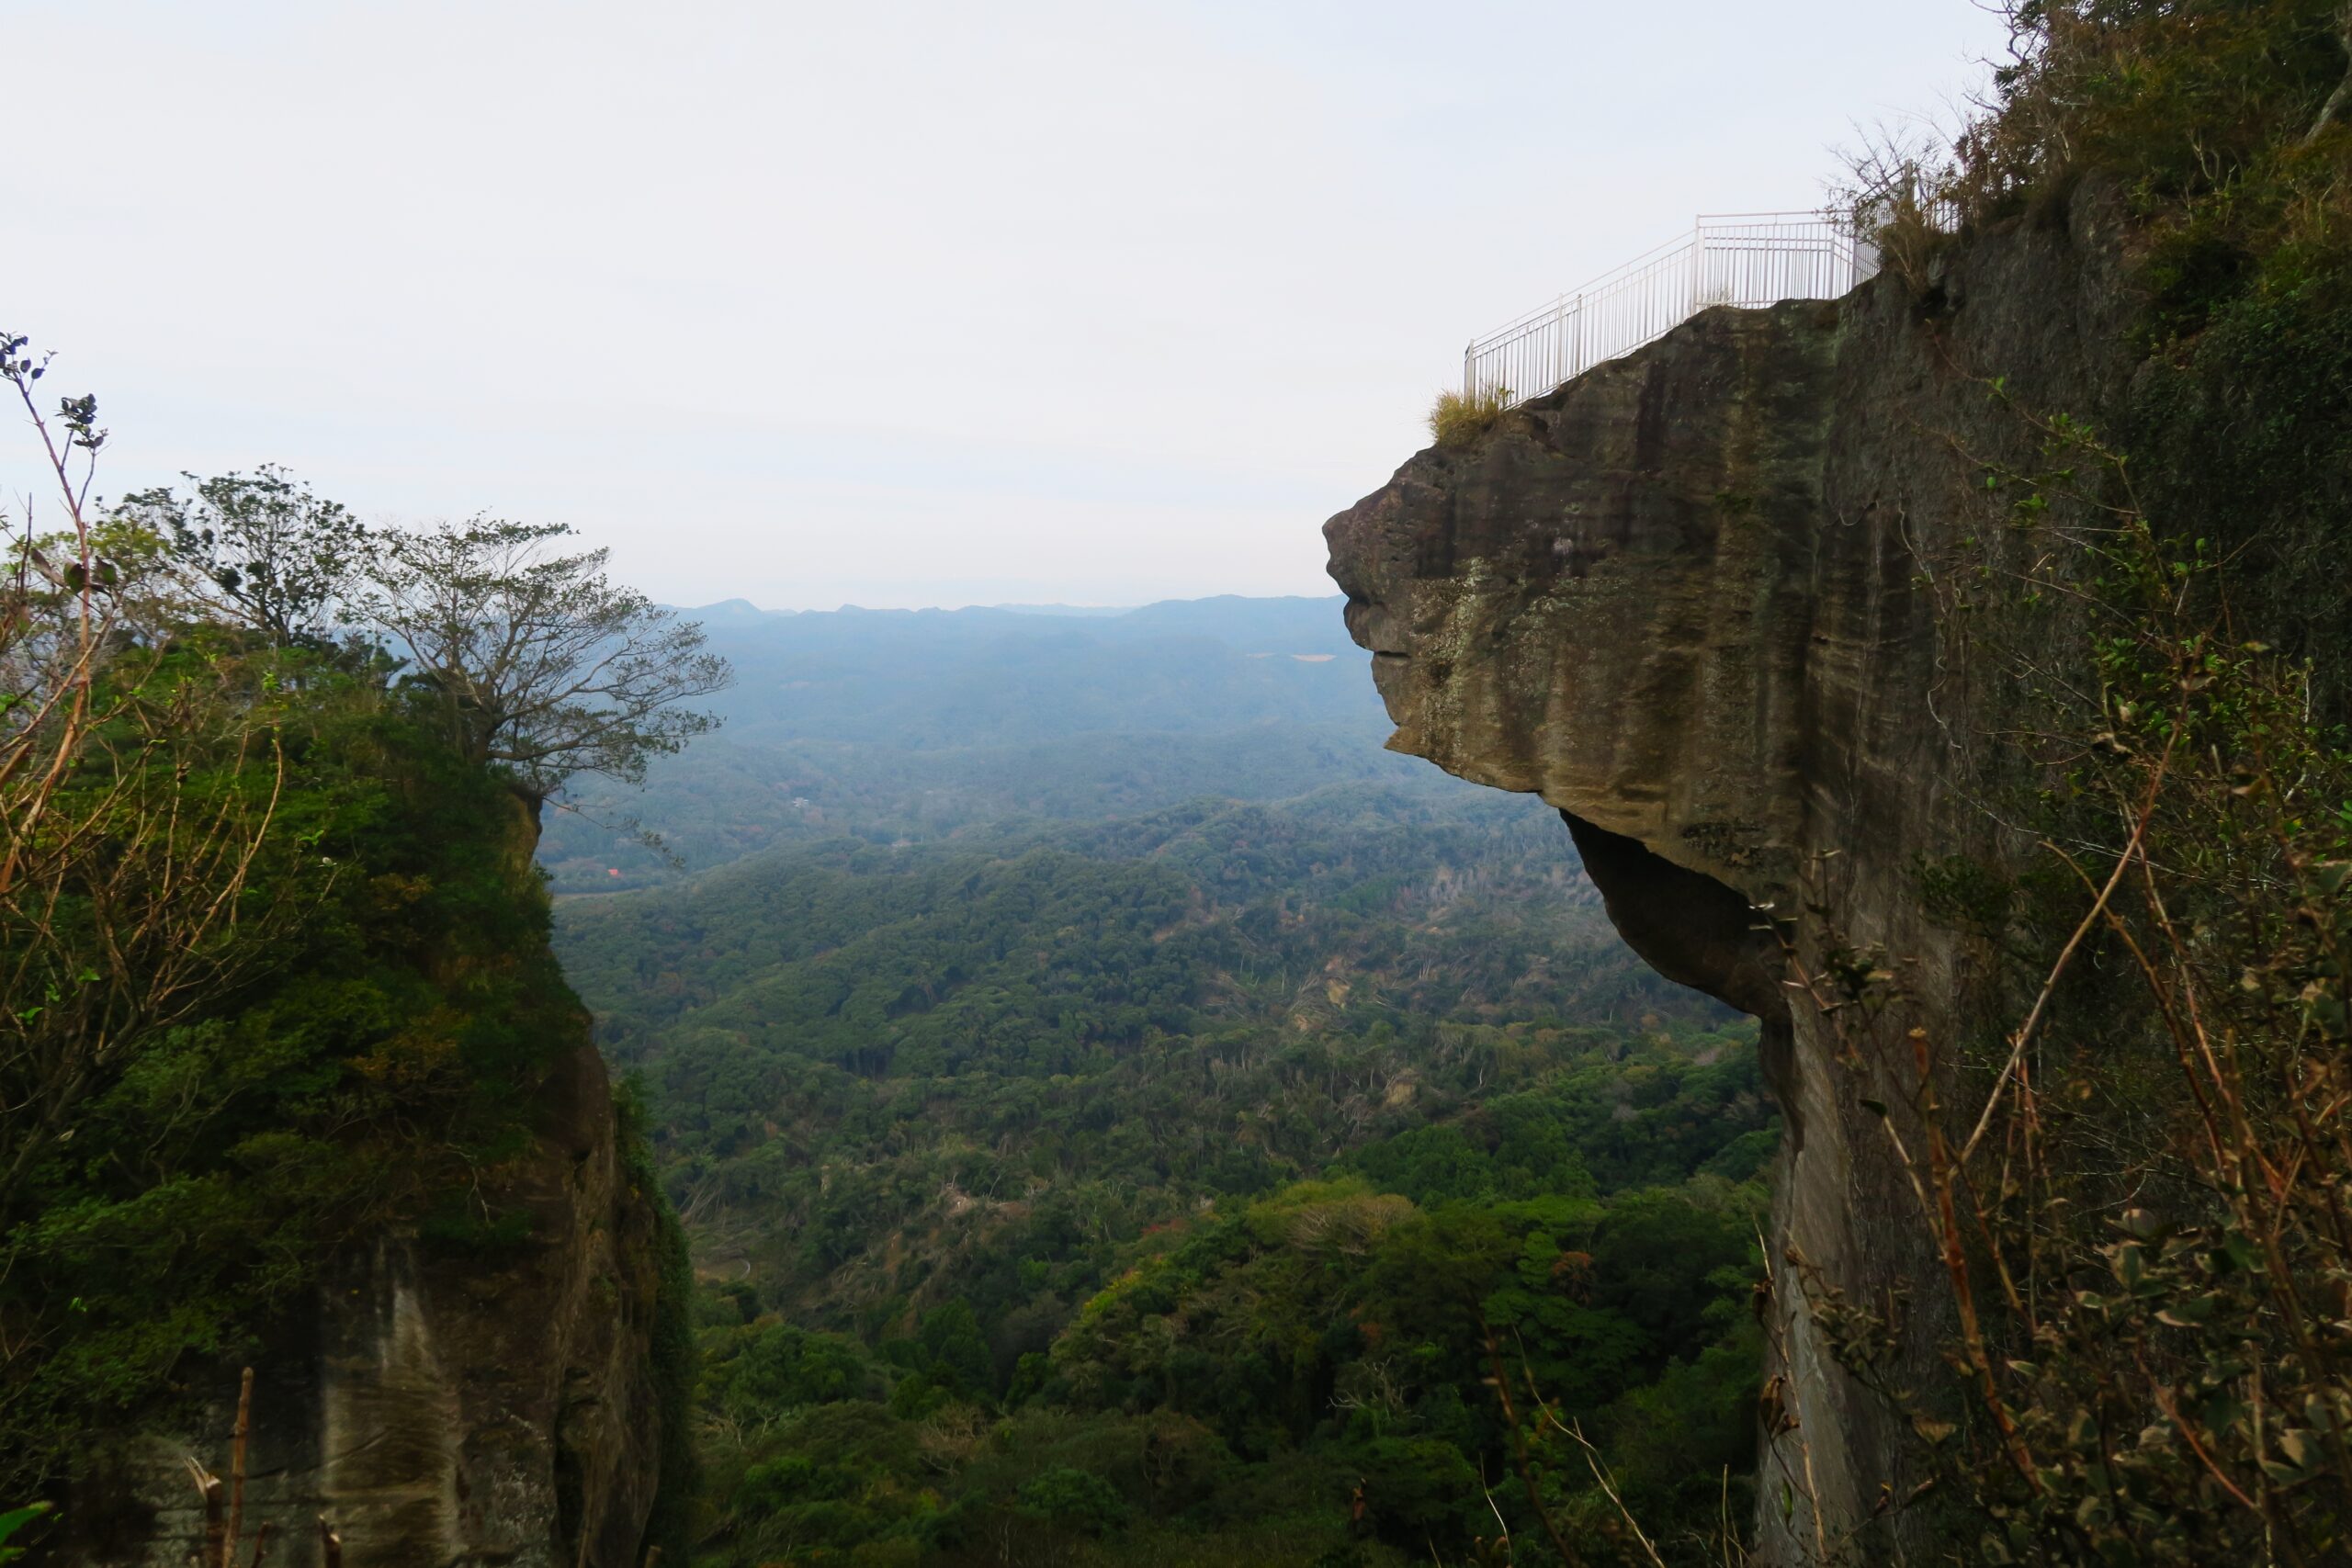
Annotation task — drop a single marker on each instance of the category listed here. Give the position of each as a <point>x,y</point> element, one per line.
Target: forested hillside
<point>1123,1141</point>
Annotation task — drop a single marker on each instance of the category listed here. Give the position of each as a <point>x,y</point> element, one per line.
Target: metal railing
<point>1745,259</point>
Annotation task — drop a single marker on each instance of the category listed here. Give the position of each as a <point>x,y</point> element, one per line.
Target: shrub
<point>1457,418</point>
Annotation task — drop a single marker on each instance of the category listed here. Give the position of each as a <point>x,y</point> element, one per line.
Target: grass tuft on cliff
<point>1458,419</point>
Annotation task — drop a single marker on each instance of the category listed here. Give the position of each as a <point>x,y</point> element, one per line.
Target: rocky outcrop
<point>493,1407</point>
<point>1688,599</point>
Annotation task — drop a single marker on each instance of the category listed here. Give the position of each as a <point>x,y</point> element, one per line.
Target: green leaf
<point>2130,1263</point>
<point>2082,1432</point>
<point>13,1520</point>
<point>2190,1314</point>
<point>2301,1448</point>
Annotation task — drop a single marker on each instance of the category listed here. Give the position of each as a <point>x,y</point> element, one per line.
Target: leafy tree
<point>1416,1485</point>
<point>269,554</point>
<point>12,1521</point>
<point>781,1368</point>
<point>1429,1165</point>
<point>1075,1499</point>
<point>536,663</point>
<point>956,1355</point>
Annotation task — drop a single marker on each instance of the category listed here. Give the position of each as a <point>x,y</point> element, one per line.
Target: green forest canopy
<point>1143,1184</point>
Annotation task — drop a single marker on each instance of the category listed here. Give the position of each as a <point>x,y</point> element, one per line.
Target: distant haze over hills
<point>903,725</point>
<point>744,610</point>
<point>1315,620</point>
<point>986,676</point>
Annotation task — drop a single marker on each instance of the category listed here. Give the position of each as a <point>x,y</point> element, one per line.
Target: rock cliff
<point>441,1410</point>
<point>1688,599</point>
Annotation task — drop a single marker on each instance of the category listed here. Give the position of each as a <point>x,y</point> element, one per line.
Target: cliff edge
<point>480,1380</point>
<point>1686,599</point>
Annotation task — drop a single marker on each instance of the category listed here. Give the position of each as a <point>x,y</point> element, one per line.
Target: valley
<point>1101,1107</point>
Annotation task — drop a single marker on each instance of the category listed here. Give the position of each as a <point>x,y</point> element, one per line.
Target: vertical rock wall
<point>1685,599</point>
<point>442,1411</point>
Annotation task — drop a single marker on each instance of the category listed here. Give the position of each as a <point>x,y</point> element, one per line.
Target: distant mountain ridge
<point>908,725</point>
<point>1313,622</point>
<point>989,677</point>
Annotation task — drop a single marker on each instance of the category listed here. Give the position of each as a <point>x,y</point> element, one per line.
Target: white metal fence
<point>1747,259</point>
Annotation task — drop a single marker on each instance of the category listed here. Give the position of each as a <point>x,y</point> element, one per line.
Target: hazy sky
<point>875,302</point>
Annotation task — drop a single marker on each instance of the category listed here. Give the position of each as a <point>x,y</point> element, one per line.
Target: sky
<point>883,303</point>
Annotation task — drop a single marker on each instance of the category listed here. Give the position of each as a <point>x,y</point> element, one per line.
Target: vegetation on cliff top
<point>1458,419</point>
<point>275,957</point>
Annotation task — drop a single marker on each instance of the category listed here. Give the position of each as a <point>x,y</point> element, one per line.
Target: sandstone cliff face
<point>444,1411</point>
<point>1686,599</point>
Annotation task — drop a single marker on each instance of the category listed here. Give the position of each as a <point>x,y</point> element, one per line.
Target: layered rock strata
<point>1691,599</point>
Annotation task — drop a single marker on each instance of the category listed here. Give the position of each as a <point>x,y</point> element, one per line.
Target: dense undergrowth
<point>2136,1187</point>
<point>2216,128</point>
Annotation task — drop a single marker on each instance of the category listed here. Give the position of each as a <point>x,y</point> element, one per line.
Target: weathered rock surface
<point>442,1411</point>
<point>1686,599</point>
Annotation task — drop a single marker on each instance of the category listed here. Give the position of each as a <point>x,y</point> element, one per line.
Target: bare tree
<point>542,666</point>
